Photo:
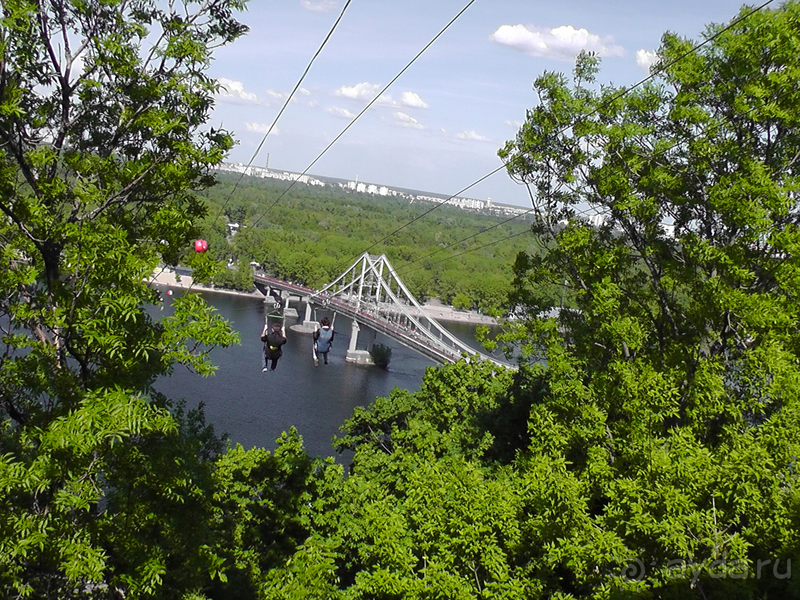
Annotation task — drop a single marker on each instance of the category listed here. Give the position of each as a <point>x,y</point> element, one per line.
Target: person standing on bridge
<point>272,346</point>
<point>323,339</point>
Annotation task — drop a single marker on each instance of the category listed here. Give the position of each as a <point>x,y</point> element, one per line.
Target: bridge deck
<point>380,318</point>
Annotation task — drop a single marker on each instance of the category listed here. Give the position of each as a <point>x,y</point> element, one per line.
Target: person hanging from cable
<point>323,339</point>
<point>273,341</point>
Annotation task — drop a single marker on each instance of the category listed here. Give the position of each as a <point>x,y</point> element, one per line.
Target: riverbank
<point>443,312</point>
<point>437,310</point>
<point>169,278</point>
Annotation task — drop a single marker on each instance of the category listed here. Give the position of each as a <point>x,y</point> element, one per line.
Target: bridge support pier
<point>360,357</point>
<point>269,298</point>
<point>308,323</point>
<point>288,311</point>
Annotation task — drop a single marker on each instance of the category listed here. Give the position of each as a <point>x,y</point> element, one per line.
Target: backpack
<point>272,345</point>
<point>324,339</point>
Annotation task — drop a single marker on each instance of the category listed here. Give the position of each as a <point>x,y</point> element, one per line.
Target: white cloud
<point>560,43</point>
<point>366,91</point>
<point>274,97</point>
<point>404,120</point>
<point>339,112</point>
<point>472,136</point>
<point>235,90</point>
<point>360,91</point>
<point>277,95</point>
<point>324,6</point>
<point>514,124</point>
<point>413,100</point>
<point>646,58</point>
<point>261,128</point>
<point>363,91</point>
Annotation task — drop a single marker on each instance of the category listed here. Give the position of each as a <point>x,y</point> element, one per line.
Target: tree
<point>381,355</point>
<point>461,301</point>
<point>102,108</point>
<point>670,401</point>
<point>240,278</point>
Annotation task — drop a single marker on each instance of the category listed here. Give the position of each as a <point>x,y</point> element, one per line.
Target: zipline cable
<point>591,209</point>
<point>608,101</point>
<point>430,210</point>
<point>404,268</point>
<point>469,237</point>
<point>283,108</point>
<point>358,116</point>
<point>508,237</point>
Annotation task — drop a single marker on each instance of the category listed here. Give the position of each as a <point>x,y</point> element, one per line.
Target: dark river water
<point>253,408</point>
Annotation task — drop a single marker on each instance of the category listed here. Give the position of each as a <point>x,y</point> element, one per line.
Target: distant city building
<point>487,206</point>
<point>268,173</point>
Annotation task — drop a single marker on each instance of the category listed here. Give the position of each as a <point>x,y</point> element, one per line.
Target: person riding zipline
<point>272,346</point>
<point>323,339</point>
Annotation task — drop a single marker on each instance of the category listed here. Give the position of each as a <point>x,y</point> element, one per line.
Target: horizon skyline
<point>438,128</point>
<point>466,203</point>
<point>354,179</point>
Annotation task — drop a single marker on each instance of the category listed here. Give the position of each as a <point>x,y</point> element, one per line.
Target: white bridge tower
<point>371,293</point>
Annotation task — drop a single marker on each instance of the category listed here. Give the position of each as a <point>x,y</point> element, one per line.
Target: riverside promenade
<point>169,278</point>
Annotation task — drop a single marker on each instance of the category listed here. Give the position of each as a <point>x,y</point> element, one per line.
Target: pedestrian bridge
<point>371,294</point>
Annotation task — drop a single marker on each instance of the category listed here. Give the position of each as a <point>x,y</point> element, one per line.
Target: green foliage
<point>381,355</point>
<point>50,497</point>
<point>427,510</point>
<point>461,301</point>
<point>651,454</point>
<point>239,278</point>
<point>669,404</point>
<point>312,233</point>
<point>103,149</point>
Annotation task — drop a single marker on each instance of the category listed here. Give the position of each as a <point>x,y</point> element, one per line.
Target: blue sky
<point>440,125</point>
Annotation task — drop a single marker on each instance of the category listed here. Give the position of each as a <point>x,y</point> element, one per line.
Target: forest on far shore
<point>312,234</point>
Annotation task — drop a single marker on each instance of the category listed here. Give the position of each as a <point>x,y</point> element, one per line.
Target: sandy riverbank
<point>185,282</point>
<point>434,308</point>
<point>442,312</point>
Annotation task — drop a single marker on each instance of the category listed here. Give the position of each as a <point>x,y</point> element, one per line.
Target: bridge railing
<point>399,331</point>
<point>365,291</point>
<point>388,316</point>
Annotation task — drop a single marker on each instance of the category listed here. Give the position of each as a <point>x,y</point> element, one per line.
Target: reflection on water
<point>255,407</point>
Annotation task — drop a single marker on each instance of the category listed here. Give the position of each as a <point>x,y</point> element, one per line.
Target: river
<point>253,408</point>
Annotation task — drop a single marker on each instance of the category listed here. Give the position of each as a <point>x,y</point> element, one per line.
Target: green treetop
<point>102,144</point>
<point>671,390</point>
<point>653,453</point>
